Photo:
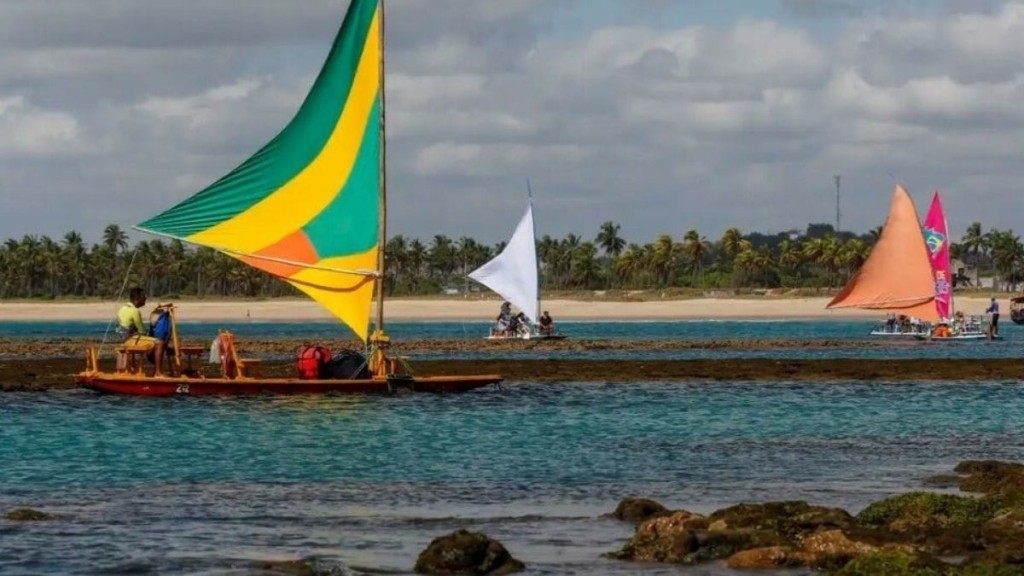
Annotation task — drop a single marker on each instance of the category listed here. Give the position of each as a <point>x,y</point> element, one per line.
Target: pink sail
<point>936,237</point>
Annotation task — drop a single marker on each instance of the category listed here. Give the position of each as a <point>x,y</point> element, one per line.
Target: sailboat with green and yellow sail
<point>309,208</point>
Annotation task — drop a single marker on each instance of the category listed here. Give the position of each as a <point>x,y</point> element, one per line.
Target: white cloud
<point>29,131</point>
<point>200,108</point>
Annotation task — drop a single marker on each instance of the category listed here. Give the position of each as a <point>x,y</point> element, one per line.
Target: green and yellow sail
<point>305,207</point>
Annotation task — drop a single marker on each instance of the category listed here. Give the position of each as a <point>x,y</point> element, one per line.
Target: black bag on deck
<point>346,365</point>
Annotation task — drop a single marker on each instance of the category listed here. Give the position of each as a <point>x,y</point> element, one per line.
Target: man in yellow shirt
<point>129,320</point>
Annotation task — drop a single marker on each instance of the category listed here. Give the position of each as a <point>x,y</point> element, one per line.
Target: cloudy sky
<point>661,115</point>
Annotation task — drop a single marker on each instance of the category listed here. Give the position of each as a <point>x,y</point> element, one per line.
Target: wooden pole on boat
<point>383,204</point>
<point>536,263</point>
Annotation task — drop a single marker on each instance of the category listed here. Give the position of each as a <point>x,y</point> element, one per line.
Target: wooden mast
<point>536,261</point>
<point>383,204</point>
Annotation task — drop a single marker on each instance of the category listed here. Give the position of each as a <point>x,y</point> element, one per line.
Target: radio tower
<point>837,203</point>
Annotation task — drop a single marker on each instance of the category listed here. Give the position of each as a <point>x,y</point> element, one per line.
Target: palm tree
<point>28,257</point>
<point>663,259</point>
<point>1007,255</point>
<point>114,238</point>
<point>730,245</point>
<point>563,259</point>
<point>395,257</point>
<point>6,271</point>
<point>695,249</point>
<point>470,255</point>
<point>609,240</point>
<point>612,244</point>
<point>585,269</point>
<point>824,251</point>
<point>442,256</point>
<point>418,256</point>
<point>629,266</point>
<point>74,260</point>
<point>852,255</point>
<point>545,248</point>
<point>790,257</point>
<point>755,263</point>
<point>49,261</point>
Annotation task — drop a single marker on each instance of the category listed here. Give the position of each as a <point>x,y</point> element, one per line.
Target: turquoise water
<point>202,486</point>
<point>702,329</point>
<point>848,339</point>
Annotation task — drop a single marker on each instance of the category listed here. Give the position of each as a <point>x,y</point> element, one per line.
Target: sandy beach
<point>291,310</point>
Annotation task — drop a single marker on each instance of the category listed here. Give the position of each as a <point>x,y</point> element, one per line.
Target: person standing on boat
<point>959,323</point>
<point>993,309</point>
<point>504,319</point>
<point>129,322</point>
<point>890,322</point>
<point>518,325</point>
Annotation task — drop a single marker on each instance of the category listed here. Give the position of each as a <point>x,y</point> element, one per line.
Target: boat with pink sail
<point>952,325</point>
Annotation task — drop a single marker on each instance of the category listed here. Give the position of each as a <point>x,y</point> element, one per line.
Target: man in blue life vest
<point>129,324</point>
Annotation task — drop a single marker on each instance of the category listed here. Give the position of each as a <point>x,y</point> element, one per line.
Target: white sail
<point>513,273</point>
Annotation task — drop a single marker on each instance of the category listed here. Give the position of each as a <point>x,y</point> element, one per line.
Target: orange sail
<point>897,276</point>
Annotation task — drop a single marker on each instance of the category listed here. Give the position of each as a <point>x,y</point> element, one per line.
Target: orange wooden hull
<point>134,385</point>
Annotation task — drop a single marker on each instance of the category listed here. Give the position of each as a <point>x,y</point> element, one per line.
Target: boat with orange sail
<point>908,276</point>
<point>897,276</point>
<point>309,208</point>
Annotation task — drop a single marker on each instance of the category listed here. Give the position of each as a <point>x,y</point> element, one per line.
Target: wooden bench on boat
<point>232,364</point>
<point>131,359</point>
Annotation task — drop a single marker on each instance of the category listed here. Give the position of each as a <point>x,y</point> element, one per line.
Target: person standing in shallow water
<point>993,309</point>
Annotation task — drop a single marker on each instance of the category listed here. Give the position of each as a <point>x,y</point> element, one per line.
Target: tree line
<point>818,257</point>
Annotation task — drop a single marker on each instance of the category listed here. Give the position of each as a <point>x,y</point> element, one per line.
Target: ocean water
<point>207,485</point>
<point>660,330</point>
<point>847,339</point>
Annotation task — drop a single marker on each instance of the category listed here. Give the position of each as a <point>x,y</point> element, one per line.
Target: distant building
<point>963,276</point>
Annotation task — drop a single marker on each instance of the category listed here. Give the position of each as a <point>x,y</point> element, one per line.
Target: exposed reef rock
<point>918,533</point>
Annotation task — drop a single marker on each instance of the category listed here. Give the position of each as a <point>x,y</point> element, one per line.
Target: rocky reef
<point>980,531</point>
<point>75,347</point>
<point>977,532</point>
<point>58,373</point>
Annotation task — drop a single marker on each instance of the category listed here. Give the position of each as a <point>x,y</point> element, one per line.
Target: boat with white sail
<point>514,274</point>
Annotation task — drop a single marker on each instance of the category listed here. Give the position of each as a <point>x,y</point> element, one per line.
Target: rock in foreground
<point>466,553</point>
<point>919,533</point>
<point>638,510</point>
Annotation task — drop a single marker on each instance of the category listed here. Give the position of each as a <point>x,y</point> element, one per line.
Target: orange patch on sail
<point>294,247</point>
